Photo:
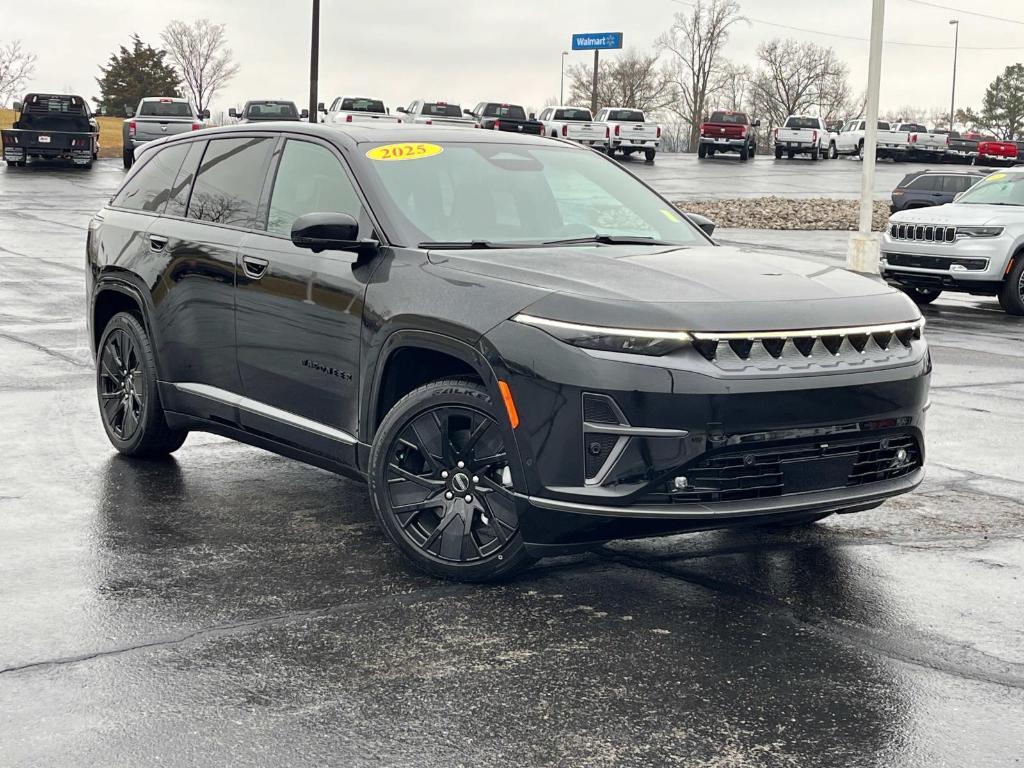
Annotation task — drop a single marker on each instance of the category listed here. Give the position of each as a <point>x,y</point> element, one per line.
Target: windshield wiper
<point>466,245</point>
<point>610,240</point>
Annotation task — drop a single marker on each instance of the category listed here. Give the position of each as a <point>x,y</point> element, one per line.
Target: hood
<point>697,288</point>
<point>961,214</point>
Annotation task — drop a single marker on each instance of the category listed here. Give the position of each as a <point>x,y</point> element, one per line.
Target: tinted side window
<point>309,180</point>
<point>178,201</point>
<point>927,184</point>
<point>149,188</point>
<point>227,189</point>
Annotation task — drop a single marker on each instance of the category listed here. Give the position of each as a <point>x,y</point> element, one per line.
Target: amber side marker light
<point>510,406</point>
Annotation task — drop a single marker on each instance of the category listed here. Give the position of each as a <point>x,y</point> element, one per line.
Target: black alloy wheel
<point>126,388</point>
<point>441,484</point>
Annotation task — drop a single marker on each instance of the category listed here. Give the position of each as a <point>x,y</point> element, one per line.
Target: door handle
<point>157,243</point>
<point>254,268</point>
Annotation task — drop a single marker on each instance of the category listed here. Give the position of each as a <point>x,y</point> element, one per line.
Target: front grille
<point>741,474</point>
<point>823,349</point>
<point>933,262</point>
<point>927,233</point>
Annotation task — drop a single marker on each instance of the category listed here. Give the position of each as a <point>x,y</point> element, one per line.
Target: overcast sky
<point>470,50</point>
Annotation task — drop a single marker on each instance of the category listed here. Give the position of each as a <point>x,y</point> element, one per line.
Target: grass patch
<point>110,131</point>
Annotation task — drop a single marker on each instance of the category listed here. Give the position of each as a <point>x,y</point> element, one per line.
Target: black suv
<point>922,189</point>
<point>522,348</point>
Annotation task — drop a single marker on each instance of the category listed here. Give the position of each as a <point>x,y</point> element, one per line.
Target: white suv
<point>972,245</point>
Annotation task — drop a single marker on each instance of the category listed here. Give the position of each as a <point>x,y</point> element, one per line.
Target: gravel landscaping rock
<point>785,213</point>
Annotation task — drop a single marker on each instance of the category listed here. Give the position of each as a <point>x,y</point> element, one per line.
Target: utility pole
<point>561,86</point>
<point>593,91</point>
<point>314,63</point>
<point>864,249</point>
<point>956,45</point>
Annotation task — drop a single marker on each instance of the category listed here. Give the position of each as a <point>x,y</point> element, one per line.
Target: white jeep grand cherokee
<point>972,245</point>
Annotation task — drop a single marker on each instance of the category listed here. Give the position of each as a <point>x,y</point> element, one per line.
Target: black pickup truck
<point>960,147</point>
<point>505,117</point>
<point>53,126</point>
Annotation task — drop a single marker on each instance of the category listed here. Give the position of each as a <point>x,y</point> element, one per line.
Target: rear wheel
<point>126,387</point>
<point>702,151</point>
<point>744,153</point>
<point>441,486</point>
<point>922,296</point>
<point>649,155</point>
<point>814,154</point>
<point>128,158</point>
<point>833,153</point>
<point>778,153</point>
<point>1011,297</point>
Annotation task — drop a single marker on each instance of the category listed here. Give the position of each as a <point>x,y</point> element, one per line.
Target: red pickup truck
<point>727,131</point>
<point>992,151</point>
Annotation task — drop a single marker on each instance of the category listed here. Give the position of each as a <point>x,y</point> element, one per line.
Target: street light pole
<point>956,45</point>
<point>864,251</point>
<point>561,83</point>
<point>314,63</point>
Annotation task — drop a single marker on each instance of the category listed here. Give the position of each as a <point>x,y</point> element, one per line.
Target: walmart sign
<point>596,41</point>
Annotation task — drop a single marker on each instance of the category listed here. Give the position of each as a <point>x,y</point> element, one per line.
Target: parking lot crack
<point>45,350</point>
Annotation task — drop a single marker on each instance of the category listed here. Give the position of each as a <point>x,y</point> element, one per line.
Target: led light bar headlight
<point>632,340</point>
<point>979,231</point>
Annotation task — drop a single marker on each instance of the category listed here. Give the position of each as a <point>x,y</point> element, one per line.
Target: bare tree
<point>631,80</point>
<point>16,66</point>
<point>695,42</point>
<point>201,55</point>
<point>735,81</point>
<point>795,77</point>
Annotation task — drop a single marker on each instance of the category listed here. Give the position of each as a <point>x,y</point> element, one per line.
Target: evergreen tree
<point>134,73</point>
<point>1003,108</point>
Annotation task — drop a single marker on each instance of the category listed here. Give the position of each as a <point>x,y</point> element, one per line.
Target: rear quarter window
<point>149,188</point>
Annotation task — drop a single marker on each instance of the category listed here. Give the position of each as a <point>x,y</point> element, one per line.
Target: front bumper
<point>752,446</point>
<point>972,265</point>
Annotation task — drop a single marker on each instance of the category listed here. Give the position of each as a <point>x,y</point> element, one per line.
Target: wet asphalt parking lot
<point>233,607</point>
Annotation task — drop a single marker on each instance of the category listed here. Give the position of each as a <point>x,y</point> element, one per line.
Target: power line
<point>864,39</point>
<point>966,13</point>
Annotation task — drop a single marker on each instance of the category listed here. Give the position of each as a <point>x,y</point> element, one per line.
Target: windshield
<point>363,105</point>
<point>737,118</point>
<point>997,189</point>
<point>165,109</point>
<point>510,111</point>
<point>573,114</point>
<point>802,122</point>
<point>516,194</point>
<point>441,109</point>
<point>272,110</point>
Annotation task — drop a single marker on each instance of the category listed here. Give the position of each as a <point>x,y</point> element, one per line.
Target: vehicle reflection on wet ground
<point>231,606</point>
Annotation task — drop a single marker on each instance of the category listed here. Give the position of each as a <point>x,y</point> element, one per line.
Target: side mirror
<point>330,232</point>
<point>403,110</point>
<point>304,114</point>
<point>232,112</point>
<point>17,106</point>
<point>467,112</point>
<point>129,111</point>
<point>756,123</point>
<point>533,115</point>
<point>706,225</point>
<point>205,114</point>
<point>321,108</point>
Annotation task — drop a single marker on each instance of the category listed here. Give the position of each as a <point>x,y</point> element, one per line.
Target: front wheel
<point>126,387</point>
<point>441,484</point>
<point>1011,296</point>
<point>923,296</point>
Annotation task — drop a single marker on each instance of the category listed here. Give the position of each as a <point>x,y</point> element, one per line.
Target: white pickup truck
<point>802,135</point>
<point>922,142</point>
<point>357,109</point>
<point>423,112</point>
<point>575,124</point>
<point>890,143</point>
<point>629,131</point>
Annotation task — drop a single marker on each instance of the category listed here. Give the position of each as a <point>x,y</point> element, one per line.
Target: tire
<point>126,391</point>
<point>649,155</point>
<point>711,151</point>
<point>790,155</point>
<point>778,153</point>
<point>860,149</point>
<point>702,151</point>
<point>744,153</point>
<point>418,488</point>
<point>833,153</point>
<point>923,296</point>
<point>814,154</point>
<point>1011,296</point>
<point>128,158</point>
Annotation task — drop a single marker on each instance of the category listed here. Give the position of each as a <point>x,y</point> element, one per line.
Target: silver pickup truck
<point>155,118</point>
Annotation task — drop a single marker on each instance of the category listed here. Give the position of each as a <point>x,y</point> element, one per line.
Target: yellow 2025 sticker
<point>409,151</point>
<point>996,176</point>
